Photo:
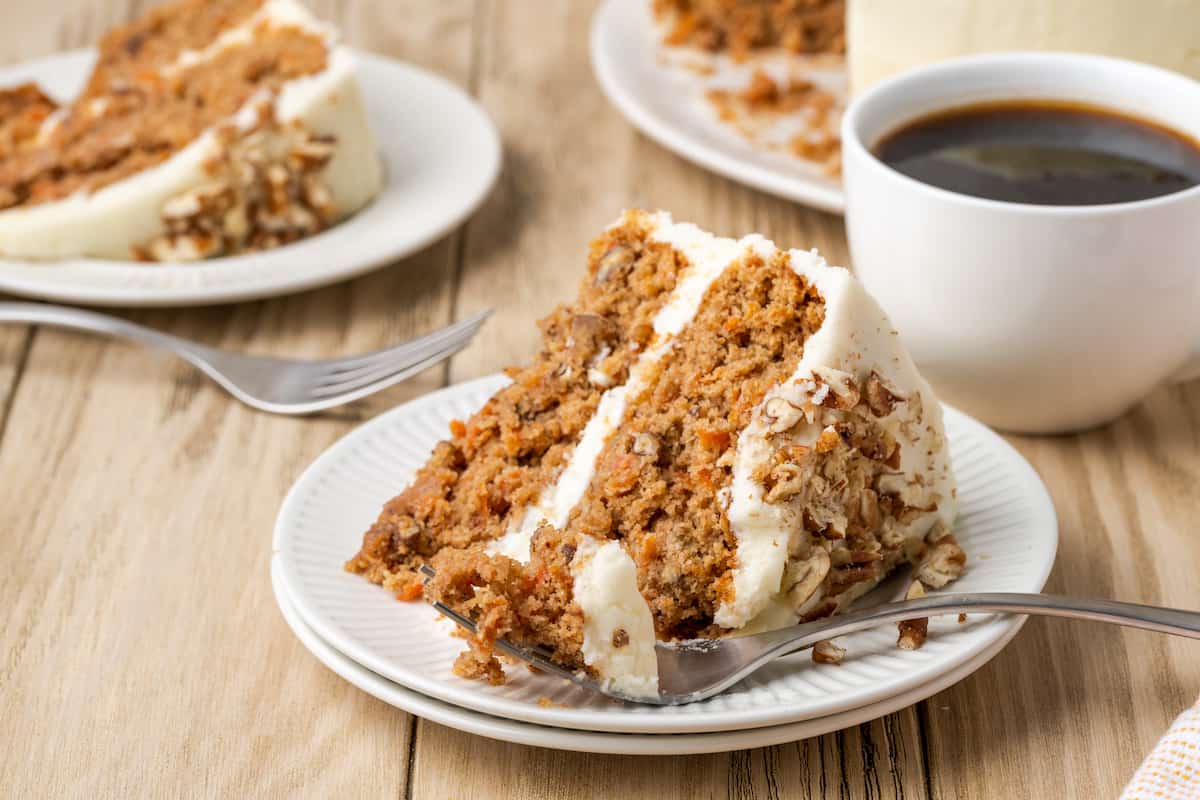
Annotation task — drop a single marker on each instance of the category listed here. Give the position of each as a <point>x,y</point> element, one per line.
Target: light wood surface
<point>142,653</point>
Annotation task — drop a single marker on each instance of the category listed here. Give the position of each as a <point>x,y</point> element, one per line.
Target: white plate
<point>1007,526</point>
<point>667,104</point>
<point>590,741</point>
<point>441,155</point>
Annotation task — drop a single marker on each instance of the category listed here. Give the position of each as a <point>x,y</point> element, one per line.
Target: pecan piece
<point>880,399</point>
<point>826,652</point>
<point>913,632</point>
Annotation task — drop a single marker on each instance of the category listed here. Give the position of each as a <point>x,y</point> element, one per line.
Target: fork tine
<point>522,653</point>
<point>408,349</point>
<point>389,373</point>
<point>446,611</point>
<point>385,363</point>
<point>335,394</point>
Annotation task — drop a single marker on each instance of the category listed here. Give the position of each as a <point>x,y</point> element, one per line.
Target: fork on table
<point>277,385</point>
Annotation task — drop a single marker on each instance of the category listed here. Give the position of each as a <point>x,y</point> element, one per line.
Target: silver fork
<point>278,385</point>
<point>697,669</point>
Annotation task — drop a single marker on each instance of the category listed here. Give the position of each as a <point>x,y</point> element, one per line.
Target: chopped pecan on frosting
<point>880,399</point>
<point>826,652</point>
<point>802,578</point>
<point>266,190</point>
<point>945,560</point>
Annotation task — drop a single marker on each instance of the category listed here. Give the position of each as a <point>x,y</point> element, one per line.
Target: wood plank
<point>15,342</point>
<point>1079,705</point>
<point>140,628</point>
<point>880,759</point>
<point>144,652</point>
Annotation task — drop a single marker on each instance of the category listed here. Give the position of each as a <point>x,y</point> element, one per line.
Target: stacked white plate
<point>402,654</point>
<point>662,92</point>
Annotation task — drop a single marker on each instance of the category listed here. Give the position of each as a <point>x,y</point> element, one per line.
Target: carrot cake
<point>801,26</point>
<point>716,435</point>
<point>206,128</point>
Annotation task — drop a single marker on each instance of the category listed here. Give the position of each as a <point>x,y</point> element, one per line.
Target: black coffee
<point>1044,153</point>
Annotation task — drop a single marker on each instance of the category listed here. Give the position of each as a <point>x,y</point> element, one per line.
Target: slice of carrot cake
<point>717,434</point>
<point>208,127</point>
<point>739,26</point>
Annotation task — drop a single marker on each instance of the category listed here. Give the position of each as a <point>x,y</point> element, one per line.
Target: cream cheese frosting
<point>855,339</point>
<point>618,629</point>
<point>111,221</point>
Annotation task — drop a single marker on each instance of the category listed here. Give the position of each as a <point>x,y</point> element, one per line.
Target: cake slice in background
<point>717,435</point>
<point>208,127</point>
<point>800,26</point>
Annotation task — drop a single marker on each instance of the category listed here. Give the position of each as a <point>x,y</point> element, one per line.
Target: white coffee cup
<point>1032,318</point>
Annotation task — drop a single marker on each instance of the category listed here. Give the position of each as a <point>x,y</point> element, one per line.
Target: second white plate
<point>441,155</point>
<point>630,744</point>
<point>667,104</point>
<point>1007,526</point>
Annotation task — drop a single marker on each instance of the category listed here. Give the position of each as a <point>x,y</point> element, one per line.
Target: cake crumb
<point>473,665</point>
<point>813,26</point>
<point>764,99</point>
<point>945,560</point>
<point>826,652</point>
<point>913,632</point>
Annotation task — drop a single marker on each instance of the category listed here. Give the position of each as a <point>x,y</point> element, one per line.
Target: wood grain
<point>143,654</point>
<point>143,649</point>
<point>1082,704</point>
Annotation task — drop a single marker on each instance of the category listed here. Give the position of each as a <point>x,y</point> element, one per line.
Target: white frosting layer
<point>108,222</point>
<point>618,629</point>
<point>856,339</point>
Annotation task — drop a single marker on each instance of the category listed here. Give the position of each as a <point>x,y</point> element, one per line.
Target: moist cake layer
<point>771,455</point>
<point>156,40</point>
<point>490,476</point>
<point>23,111</point>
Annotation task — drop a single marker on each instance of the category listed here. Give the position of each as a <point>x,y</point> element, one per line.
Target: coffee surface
<point>1043,153</point>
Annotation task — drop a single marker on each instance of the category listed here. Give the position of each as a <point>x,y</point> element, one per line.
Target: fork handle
<point>1175,621</point>
<point>80,320</point>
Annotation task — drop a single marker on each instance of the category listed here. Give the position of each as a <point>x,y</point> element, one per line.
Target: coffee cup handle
<point>1190,369</point>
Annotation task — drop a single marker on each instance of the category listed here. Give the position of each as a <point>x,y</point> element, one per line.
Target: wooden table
<point>141,652</point>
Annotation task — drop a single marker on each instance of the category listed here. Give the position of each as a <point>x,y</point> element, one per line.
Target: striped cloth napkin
<point>1172,770</point>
